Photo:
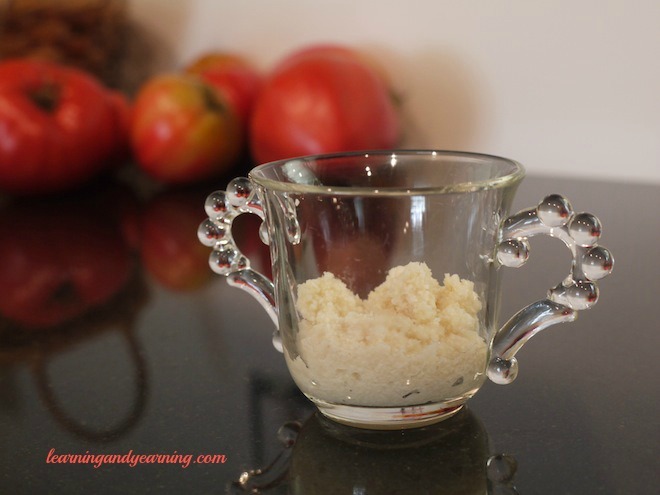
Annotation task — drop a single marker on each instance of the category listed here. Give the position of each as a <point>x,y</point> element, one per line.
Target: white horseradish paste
<point>412,341</point>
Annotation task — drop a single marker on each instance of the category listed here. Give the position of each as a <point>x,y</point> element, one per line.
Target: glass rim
<point>505,180</point>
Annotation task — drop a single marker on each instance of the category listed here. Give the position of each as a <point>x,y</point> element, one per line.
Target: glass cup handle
<point>580,232</point>
<point>222,208</point>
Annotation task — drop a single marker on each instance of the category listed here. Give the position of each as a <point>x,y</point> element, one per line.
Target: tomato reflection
<point>59,259</point>
<point>170,250</point>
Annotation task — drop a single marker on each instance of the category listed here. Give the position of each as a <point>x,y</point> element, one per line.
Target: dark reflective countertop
<point>115,338</point>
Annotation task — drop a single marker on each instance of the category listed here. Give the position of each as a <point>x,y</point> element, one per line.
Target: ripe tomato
<point>182,130</point>
<point>57,126</point>
<point>320,100</point>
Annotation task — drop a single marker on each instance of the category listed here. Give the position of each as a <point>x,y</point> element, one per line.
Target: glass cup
<point>386,268</point>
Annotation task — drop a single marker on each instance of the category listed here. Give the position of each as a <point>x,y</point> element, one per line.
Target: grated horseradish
<point>412,341</point>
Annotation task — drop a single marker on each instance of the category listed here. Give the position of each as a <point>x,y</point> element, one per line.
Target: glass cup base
<point>389,418</point>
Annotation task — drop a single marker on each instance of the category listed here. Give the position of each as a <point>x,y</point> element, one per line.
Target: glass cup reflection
<point>323,457</point>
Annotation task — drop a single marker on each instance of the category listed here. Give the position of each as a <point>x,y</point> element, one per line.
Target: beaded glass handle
<point>222,208</point>
<point>580,232</point>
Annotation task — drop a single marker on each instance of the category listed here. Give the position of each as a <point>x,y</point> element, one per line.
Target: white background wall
<point>567,87</point>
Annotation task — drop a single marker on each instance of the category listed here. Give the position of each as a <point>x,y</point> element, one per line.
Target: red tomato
<point>182,130</point>
<point>323,99</point>
<point>57,126</point>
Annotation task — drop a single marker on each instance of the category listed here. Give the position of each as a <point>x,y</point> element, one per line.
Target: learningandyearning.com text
<point>132,459</point>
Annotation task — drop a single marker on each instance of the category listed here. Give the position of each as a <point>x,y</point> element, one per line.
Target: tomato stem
<point>211,100</point>
<point>65,295</point>
<point>46,97</point>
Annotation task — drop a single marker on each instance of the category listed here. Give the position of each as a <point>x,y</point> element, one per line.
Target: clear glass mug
<point>386,268</point>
